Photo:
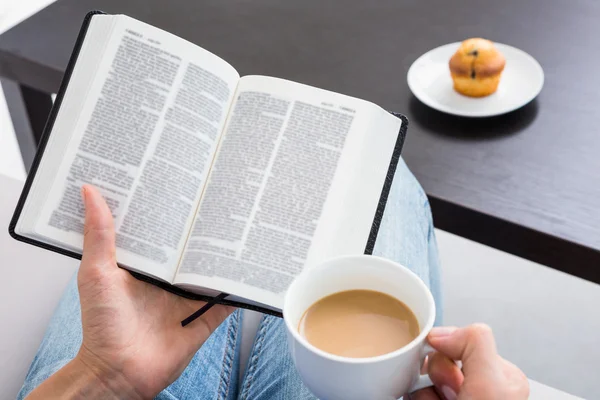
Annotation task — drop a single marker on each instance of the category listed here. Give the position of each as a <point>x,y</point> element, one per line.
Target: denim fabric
<point>406,235</point>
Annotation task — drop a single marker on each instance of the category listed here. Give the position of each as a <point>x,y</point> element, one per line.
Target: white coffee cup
<point>389,376</point>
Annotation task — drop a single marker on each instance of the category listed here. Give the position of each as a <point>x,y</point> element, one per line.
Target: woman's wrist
<point>82,379</point>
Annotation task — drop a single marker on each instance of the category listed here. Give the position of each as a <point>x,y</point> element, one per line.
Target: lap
<point>405,235</point>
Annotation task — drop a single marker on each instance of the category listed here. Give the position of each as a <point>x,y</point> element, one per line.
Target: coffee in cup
<point>359,323</point>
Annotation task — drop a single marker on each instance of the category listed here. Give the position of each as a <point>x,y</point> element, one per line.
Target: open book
<point>217,183</point>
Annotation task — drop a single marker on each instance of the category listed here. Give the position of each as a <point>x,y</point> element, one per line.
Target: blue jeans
<point>406,235</point>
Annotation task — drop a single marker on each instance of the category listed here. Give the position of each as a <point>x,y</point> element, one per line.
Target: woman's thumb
<point>99,232</point>
<point>474,345</point>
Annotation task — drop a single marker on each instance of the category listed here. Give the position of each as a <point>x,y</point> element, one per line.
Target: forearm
<point>76,380</point>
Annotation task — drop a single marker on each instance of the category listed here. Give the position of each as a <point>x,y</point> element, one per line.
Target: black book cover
<point>171,288</point>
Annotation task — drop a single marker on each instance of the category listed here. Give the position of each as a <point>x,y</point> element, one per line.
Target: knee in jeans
<point>411,188</point>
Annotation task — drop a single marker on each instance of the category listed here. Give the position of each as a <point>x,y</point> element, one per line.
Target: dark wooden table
<point>527,182</point>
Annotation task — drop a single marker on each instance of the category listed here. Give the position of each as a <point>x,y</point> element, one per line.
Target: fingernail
<point>442,331</point>
<point>448,393</point>
<point>83,193</point>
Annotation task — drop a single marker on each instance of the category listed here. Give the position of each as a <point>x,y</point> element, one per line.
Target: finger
<point>474,346</point>
<point>509,368</point>
<point>99,232</point>
<point>445,374</point>
<point>424,394</point>
<point>516,379</point>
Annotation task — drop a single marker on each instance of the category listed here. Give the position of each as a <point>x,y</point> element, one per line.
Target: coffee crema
<point>359,324</point>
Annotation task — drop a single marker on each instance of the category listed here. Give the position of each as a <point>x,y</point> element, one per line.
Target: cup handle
<point>424,380</point>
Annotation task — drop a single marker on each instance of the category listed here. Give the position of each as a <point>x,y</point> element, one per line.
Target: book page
<point>277,197</point>
<point>147,135</point>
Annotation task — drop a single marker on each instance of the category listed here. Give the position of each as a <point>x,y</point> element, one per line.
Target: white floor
<point>544,320</point>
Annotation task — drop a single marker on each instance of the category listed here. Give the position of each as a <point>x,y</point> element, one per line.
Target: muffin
<point>476,68</point>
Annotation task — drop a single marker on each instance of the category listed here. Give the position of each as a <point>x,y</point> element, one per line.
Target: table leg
<point>29,108</point>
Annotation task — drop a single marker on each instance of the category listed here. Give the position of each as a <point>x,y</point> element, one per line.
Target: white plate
<point>429,80</point>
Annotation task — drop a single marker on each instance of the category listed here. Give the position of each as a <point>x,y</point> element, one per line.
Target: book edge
<point>194,296</point>
<point>44,140</point>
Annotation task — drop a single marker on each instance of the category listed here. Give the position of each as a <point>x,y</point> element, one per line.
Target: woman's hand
<point>484,376</point>
<point>133,343</point>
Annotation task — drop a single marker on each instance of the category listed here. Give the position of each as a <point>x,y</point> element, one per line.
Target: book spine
<point>387,184</point>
